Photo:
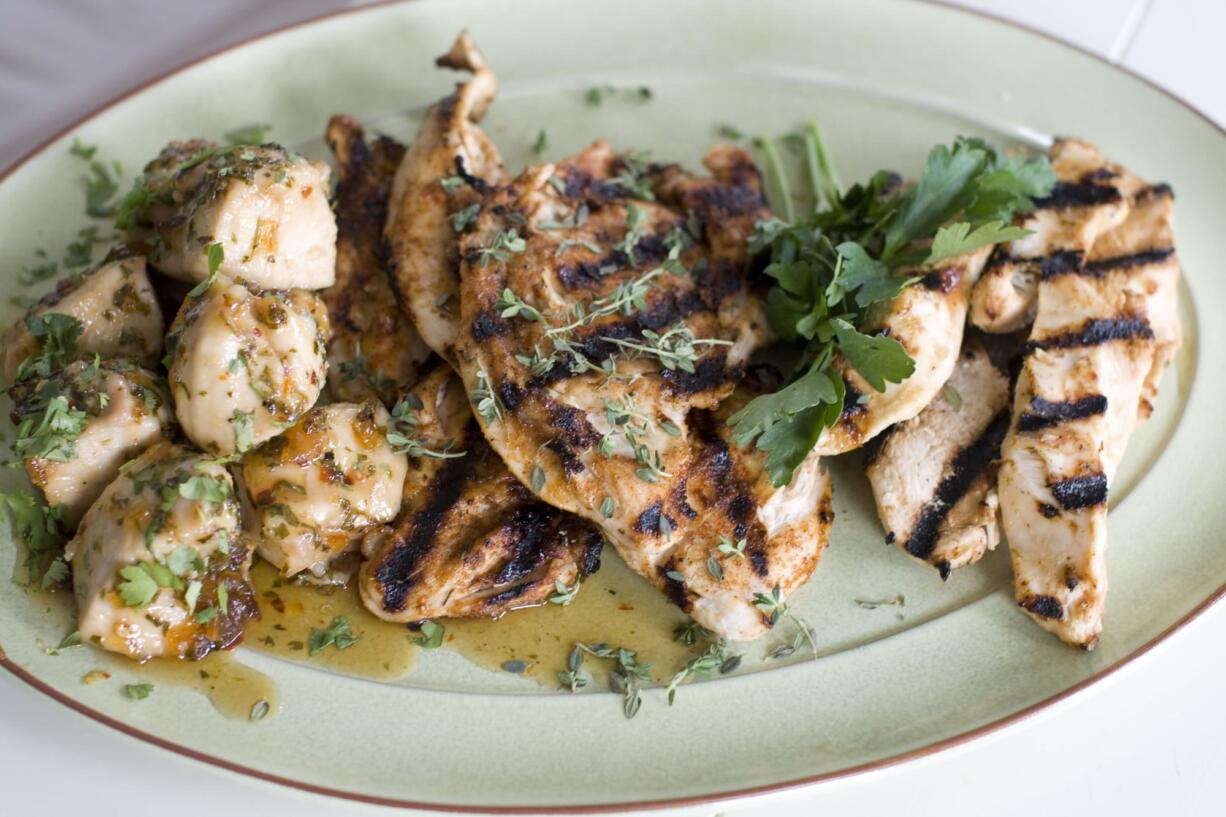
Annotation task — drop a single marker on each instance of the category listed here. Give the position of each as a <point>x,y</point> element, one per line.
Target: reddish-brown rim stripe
<point>735,794</point>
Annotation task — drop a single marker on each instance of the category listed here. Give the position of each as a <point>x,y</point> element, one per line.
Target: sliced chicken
<point>604,299</point>
<point>471,541</point>
<point>159,567</point>
<point>116,306</point>
<point>928,319</point>
<point>449,165</point>
<point>934,476</point>
<point>266,206</point>
<point>1139,255</point>
<point>244,363</point>
<point>317,488</point>
<point>1089,199</point>
<point>374,350</point>
<point>1102,334</point>
<point>76,428</point>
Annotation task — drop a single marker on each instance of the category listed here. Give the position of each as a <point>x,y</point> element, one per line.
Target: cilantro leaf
<point>201,487</point>
<point>959,238</point>
<point>336,634</point>
<point>57,338</point>
<point>137,588</point>
<point>878,359</point>
<point>137,692</point>
<point>216,254</point>
<point>100,189</point>
<point>431,635</point>
<point>36,526</point>
<point>254,134</point>
<point>942,192</point>
<point>867,277</point>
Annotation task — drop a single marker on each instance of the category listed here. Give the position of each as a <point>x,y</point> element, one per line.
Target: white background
<point>1149,740</point>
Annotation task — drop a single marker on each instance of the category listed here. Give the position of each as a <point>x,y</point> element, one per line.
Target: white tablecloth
<point>1149,740</point>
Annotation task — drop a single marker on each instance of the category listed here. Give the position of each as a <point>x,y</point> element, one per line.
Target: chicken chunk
<point>604,300</point>
<point>934,476</point>
<point>317,488</point>
<point>1090,198</point>
<point>374,350</point>
<point>267,207</point>
<point>159,568</point>
<point>470,541</point>
<point>449,164</point>
<point>244,364</point>
<point>76,428</point>
<point>1101,331</point>
<point>117,310</point>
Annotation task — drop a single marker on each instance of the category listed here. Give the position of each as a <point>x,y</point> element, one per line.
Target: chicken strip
<point>450,163</point>
<point>1090,198</point>
<point>470,541</point>
<point>374,350</point>
<point>603,299</point>
<point>934,476</point>
<point>928,319</point>
<point>1103,332</point>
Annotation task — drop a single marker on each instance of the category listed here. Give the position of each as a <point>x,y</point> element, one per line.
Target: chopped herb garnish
<point>712,660</point>
<point>255,134</point>
<point>951,396</point>
<point>729,132</point>
<point>608,506</point>
<point>216,254</point>
<point>461,220</point>
<point>243,424</point>
<point>57,338</point>
<point>337,634</point>
<point>82,150</point>
<point>774,608</point>
<point>484,399</point>
<point>137,692</point>
<point>501,245</point>
<point>563,595</point>
<point>541,144</point>
<point>431,635</point>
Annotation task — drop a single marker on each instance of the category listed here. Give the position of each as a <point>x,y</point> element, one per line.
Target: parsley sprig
<point>830,266</point>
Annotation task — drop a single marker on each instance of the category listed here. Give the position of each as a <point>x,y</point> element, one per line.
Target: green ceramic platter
<point>887,79</point>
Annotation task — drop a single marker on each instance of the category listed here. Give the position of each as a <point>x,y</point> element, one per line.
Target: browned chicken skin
<point>470,541</point>
<point>374,350</point>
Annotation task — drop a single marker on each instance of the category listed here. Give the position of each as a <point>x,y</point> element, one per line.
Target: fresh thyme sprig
<point>404,433</point>
<point>774,608</point>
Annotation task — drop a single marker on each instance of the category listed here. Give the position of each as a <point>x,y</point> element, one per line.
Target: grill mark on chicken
<point>1077,194</point>
<point>1062,262</point>
<point>1080,492</point>
<point>1044,606</point>
<point>969,463</point>
<point>1095,332</point>
<point>1137,259</point>
<point>1045,413</point>
<point>396,573</point>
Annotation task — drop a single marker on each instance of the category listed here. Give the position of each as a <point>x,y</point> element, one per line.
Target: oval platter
<point>888,79</point>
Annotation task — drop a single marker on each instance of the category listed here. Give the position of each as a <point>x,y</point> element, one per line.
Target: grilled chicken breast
<point>116,306</point>
<point>97,417</point>
<point>928,319</point>
<point>267,207</point>
<point>245,363</point>
<point>1089,199</point>
<point>1103,332</point>
<point>470,541</point>
<point>374,350</point>
<point>158,566</point>
<point>427,192</point>
<point>934,476</point>
<point>603,300</point>
<point>317,488</point>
